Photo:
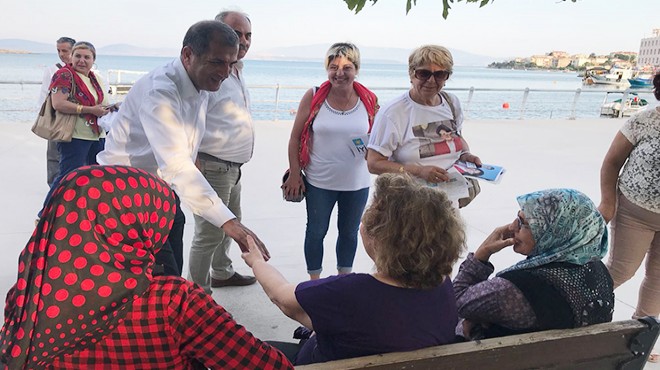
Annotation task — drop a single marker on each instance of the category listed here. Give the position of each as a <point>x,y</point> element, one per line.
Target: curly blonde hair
<point>417,235</point>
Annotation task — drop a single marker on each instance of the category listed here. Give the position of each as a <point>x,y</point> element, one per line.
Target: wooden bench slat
<point>602,346</point>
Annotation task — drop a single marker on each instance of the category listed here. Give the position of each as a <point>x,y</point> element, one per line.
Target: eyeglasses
<point>520,223</point>
<point>425,74</point>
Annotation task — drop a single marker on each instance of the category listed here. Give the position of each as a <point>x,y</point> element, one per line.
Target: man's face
<point>64,52</point>
<point>243,29</point>
<point>207,71</point>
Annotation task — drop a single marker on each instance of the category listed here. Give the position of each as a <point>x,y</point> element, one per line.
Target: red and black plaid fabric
<point>172,324</point>
<point>89,258</point>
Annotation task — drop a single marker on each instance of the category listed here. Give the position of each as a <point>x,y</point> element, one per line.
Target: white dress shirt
<point>159,128</point>
<point>229,131</point>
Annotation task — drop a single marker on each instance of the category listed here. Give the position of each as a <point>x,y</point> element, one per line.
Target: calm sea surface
<point>18,102</point>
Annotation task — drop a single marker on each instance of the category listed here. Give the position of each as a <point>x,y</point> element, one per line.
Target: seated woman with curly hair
<point>414,237</point>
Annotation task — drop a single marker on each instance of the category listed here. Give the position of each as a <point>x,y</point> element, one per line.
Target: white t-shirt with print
<point>411,133</point>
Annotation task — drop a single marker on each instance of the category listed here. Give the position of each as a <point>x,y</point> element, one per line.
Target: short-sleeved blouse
<point>640,179</point>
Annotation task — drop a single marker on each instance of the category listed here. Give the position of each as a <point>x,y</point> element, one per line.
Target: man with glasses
<point>227,144</point>
<point>64,46</point>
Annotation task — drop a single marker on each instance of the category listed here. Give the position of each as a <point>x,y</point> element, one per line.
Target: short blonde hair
<point>343,49</point>
<point>418,236</point>
<point>430,54</point>
<point>84,45</point>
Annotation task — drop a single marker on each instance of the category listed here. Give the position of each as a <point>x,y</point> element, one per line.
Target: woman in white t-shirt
<point>420,131</point>
<point>328,143</point>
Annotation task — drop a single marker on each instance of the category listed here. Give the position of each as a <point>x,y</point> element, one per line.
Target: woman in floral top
<point>631,199</point>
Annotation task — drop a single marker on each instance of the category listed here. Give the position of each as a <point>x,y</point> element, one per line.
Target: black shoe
<point>235,280</point>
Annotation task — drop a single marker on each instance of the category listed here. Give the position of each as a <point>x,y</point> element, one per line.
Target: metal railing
<point>273,102</point>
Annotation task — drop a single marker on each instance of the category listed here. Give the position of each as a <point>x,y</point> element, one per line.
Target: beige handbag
<point>54,125</point>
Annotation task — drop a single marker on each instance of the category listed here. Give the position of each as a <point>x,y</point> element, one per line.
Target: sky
<point>504,28</point>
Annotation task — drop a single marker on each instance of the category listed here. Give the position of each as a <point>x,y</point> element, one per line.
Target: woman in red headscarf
<point>85,296</point>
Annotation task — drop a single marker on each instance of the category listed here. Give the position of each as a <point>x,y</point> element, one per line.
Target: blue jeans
<point>74,154</point>
<point>320,203</point>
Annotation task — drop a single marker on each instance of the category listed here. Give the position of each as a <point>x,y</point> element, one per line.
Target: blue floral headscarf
<point>566,226</point>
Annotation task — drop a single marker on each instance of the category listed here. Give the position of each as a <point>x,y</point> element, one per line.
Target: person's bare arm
<point>294,185</point>
<point>277,288</point>
<point>378,164</point>
<point>609,174</point>
<point>63,105</point>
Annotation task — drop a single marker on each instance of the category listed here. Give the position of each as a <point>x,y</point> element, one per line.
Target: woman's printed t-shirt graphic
<point>437,138</point>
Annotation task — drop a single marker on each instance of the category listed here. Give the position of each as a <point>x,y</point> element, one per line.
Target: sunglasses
<point>425,74</point>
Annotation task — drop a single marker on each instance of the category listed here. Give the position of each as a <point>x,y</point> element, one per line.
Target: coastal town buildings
<point>649,50</point>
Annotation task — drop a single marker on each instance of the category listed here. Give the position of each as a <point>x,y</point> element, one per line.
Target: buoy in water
<point>505,105</point>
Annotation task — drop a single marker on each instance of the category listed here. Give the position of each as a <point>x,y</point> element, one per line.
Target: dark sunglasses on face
<point>425,74</point>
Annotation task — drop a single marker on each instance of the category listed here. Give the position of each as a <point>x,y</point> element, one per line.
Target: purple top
<point>356,315</point>
<point>490,301</point>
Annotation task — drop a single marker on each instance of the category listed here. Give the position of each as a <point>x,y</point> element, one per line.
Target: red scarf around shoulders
<point>367,97</point>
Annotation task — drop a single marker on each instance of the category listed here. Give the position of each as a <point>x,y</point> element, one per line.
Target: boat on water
<point>613,76</point>
<point>614,108</point>
<point>641,81</point>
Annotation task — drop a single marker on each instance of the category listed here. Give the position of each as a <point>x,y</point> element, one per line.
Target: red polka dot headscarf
<point>89,257</point>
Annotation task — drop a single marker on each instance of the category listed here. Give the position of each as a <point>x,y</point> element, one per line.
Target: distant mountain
<point>373,54</point>
<point>115,49</point>
<point>303,52</point>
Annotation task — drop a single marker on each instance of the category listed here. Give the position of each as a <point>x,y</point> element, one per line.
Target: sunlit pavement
<point>537,154</point>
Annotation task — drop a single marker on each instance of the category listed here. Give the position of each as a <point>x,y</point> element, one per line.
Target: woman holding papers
<point>420,131</point>
<point>328,144</point>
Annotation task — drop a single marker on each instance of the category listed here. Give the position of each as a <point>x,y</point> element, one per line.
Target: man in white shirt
<point>227,144</point>
<point>160,126</point>
<point>64,46</point>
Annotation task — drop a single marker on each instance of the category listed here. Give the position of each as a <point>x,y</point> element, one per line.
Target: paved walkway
<point>537,154</point>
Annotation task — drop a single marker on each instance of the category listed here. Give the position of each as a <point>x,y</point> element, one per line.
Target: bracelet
<point>79,108</point>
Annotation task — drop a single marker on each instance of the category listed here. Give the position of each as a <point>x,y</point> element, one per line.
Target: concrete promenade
<point>537,154</point>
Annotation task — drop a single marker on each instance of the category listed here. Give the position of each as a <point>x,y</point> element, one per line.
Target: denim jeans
<point>74,154</point>
<point>320,203</point>
<point>210,245</point>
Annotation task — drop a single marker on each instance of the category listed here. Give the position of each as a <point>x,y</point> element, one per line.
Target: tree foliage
<point>358,5</point>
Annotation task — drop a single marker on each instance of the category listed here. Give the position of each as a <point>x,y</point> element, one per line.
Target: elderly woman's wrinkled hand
<point>499,239</point>
<point>253,254</point>
<point>432,174</point>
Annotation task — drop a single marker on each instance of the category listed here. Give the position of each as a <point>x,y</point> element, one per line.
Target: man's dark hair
<point>68,40</point>
<point>201,34</point>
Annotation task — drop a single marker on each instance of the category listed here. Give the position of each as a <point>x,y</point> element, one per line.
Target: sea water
<point>277,86</point>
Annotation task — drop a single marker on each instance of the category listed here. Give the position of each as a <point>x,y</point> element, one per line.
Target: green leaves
<point>357,5</point>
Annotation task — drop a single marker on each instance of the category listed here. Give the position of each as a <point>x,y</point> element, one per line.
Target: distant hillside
<point>303,52</point>
<point>115,49</point>
<point>379,54</point>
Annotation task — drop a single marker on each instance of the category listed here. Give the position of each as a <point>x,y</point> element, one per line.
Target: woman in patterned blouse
<point>631,200</point>
<point>85,297</point>
<point>561,284</point>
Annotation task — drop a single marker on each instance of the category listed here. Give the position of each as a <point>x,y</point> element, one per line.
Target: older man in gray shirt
<point>227,144</point>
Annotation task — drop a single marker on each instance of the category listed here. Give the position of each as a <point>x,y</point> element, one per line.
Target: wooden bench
<point>623,345</point>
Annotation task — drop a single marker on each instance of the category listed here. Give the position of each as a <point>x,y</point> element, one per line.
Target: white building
<point>649,50</point>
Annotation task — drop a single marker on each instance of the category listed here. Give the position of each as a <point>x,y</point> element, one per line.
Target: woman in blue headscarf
<point>561,284</point>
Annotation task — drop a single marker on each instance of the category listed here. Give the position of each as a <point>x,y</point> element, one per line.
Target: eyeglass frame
<point>442,74</point>
<point>521,224</point>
